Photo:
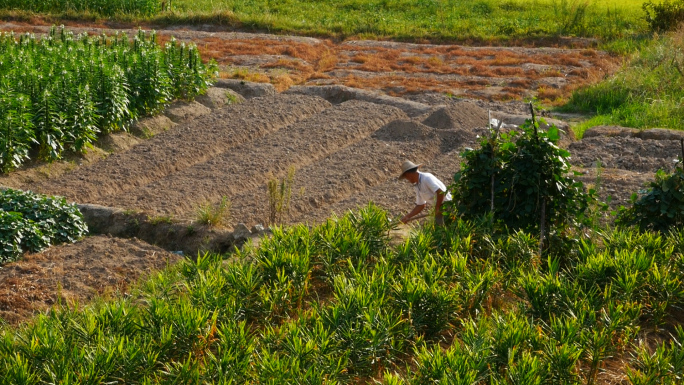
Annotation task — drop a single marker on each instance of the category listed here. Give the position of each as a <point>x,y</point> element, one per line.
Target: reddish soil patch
<point>497,73</point>
<point>75,273</point>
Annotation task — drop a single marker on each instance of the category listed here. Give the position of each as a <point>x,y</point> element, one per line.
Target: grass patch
<point>214,214</point>
<point>646,93</point>
<point>482,20</point>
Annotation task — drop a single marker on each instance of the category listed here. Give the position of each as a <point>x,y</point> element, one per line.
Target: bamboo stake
<point>542,226</point>
<point>534,122</point>
<point>681,141</point>
<point>489,113</point>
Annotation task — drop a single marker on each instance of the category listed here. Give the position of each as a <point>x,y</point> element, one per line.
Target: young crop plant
<point>32,222</point>
<point>279,195</point>
<point>60,91</point>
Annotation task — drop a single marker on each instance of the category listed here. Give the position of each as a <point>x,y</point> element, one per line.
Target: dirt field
<point>71,274</point>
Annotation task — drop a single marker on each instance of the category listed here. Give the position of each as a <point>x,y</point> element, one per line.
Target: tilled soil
<point>344,155</point>
<point>182,147</point>
<point>76,273</point>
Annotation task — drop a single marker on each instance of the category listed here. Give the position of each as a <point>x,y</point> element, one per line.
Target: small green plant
<point>32,222</point>
<point>231,97</point>
<point>279,195</point>
<point>159,219</point>
<point>214,214</point>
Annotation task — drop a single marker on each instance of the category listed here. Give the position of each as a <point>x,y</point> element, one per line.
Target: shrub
<point>665,16</point>
<point>661,208</point>
<point>528,175</point>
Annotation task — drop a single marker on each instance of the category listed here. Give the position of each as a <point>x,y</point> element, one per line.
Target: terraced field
<point>345,143</point>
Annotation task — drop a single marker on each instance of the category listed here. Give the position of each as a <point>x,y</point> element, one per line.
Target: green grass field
<point>432,19</point>
<point>482,20</point>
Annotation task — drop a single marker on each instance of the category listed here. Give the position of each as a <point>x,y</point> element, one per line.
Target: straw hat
<point>408,166</point>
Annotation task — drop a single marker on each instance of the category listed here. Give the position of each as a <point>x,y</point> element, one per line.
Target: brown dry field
<point>73,275</point>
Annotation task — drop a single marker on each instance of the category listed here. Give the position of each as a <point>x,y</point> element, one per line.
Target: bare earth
<point>77,273</point>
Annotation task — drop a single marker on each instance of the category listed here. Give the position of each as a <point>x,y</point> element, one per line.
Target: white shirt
<point>427,188</point>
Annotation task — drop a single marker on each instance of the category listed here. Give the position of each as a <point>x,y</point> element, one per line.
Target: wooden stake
<point>534,122</point>
<point>681,141</point>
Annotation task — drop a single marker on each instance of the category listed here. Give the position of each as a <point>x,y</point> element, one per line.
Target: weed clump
<point>279,195</point>
<point>214,214</point>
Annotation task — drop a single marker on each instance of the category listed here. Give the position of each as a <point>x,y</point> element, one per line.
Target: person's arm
<point>416,210</point>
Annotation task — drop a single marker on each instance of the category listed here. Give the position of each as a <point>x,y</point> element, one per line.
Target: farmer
<point>427,186</point>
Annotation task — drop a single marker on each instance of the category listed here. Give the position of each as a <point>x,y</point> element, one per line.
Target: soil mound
<point>75,273</point>
<point>464,115</point>
<point>404,131</point>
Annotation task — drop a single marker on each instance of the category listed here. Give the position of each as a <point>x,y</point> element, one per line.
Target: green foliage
<point>310,305</point>
<point>661,208</point>
<point>16,129</point>
<point>528,173</point>
<point>61,91</point>
<point>664,16</point>
<point>483,20</point>
<point>664,365</point>
<point>105,8</point>
<point>645,93</point>
<point>216,214</point>
<point>279,195</point>
<point>32,222</point>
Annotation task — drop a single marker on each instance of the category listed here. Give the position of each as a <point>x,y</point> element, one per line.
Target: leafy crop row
<point>102,7</point>
<point>59,92</point>
<point>32,222</point>
<point>338,304</point>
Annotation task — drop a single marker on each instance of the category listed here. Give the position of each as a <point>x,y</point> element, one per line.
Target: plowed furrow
<point>320,185</point>
<point>396,196</point>
<point>183,147</point>
<point>248,166</point>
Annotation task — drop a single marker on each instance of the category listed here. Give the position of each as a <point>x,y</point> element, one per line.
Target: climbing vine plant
<point>522,179</point>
